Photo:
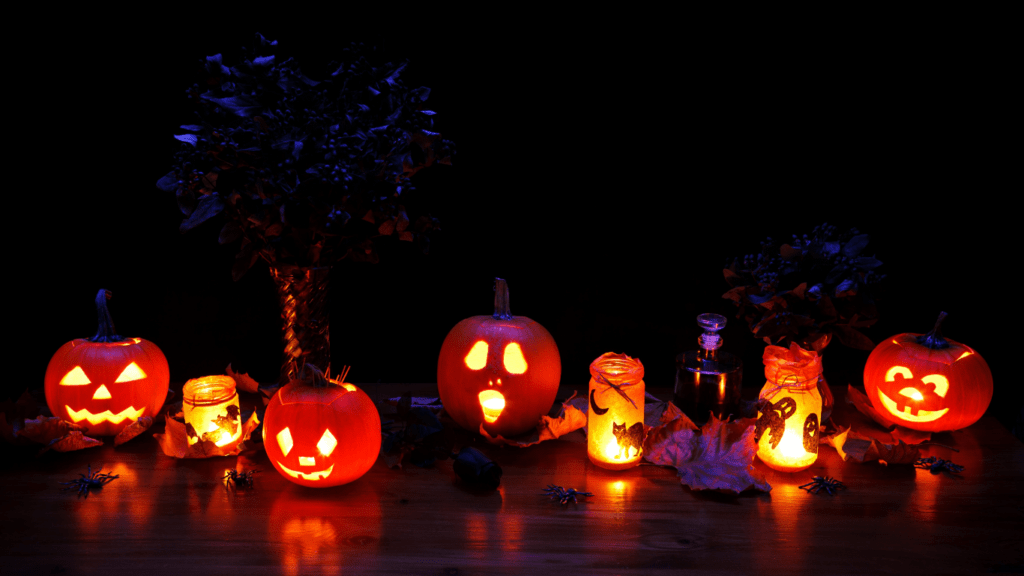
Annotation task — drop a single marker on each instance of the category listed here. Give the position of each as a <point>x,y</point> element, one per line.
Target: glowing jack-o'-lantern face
<point>321,436</point>
<point>107,382</point>
<point>500,372</point>
<point>925,388</point>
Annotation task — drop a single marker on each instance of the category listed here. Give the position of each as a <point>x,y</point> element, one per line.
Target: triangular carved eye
<point>131,373</point>
<point>515,363</point>
<point>284,440</point>
<point>76,377</point>
<point>327,443</point>
<point>477,357</point>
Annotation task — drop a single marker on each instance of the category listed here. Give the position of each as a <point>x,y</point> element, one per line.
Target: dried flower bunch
<point>807,290</point>
<point>307,172</point>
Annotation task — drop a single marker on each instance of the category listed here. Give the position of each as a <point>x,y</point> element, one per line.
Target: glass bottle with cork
<point>708,380</point>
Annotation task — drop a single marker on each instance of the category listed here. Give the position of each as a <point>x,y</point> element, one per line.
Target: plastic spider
<point>826,483</point>
<point>241,479</point>
<point>564,496</point>
<point>937,465</point>
<point>90,481</point>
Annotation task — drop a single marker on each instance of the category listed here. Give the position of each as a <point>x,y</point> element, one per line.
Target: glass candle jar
<point>615,419</point>
<point>789,415</point>
<point>210,406</point>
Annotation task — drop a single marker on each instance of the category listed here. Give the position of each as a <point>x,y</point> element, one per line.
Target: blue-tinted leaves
<point>855,245</point>
<point>419,94</point>
<point>427,112</point>
<point>240,105</point>
<point>264,61</point>
<point>186,138</point>
<point>168,183</point>
<point>192,127</point>
<point>214,65</point>
<point>208,207</point>
<point>866,262</point>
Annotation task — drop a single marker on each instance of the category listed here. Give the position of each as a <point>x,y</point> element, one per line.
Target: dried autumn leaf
<point>860,401</point>
<point>242,380</point>
<point>570,420</point>
<point>720,456</point>
<point>74,440</point>
<point>854,446</point>
<point>133,430</point>
<point>46,429</point>
<point>174,440</point>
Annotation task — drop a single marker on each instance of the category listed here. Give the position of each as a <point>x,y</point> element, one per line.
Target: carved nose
<point>101,393</point>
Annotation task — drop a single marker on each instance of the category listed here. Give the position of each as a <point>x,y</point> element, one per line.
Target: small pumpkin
<point>927,382</point>
<point>321,433</point>
<point>106,382</point>
<point>500,372</point>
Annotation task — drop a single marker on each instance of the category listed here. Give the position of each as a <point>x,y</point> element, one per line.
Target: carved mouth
<point>129,413</point>
<point>318,475</point>
<point>908,412</point>
<point>492,403</point>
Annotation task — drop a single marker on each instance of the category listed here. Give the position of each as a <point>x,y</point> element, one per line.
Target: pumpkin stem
<point>105,332</point>
<point>934,339</point>
<point>501,311</point>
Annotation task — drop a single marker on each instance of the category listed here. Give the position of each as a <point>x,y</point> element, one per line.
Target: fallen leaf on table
<point>719,456</point>
<point>46,429</point>
<point>860,401</point>
<point>854,446</point>
<point>268,392</point>
<point>569,420</point>
<point>416,432</point>
<point>74,440</point>
<point>13,416</point>
<point>174,440</point>
<point>243,381</point>
<point>133,430</point>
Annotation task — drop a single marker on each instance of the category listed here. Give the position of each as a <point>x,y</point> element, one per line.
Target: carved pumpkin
<point>321,433</point>
<point>106,382</point>
<point>927,382</point>
<point>500,372</point>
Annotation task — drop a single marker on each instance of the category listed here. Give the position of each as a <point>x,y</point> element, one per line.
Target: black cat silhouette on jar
<point>615,417</point>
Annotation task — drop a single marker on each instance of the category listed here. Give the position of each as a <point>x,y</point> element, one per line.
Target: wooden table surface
<point>176,516</point>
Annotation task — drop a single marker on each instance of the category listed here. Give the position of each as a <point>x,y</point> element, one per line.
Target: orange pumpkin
<point>106,382</point>
<point>500,372</point>
<point>927,382</point>
<point>321,433</point>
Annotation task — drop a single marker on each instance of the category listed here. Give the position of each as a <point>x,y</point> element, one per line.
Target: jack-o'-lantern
<point>106,382</point>
<point>499,371</point>
<point>321,433</point>
<point>927,382</point>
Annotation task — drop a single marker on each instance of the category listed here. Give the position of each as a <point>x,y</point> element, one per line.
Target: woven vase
<point>305,318</point>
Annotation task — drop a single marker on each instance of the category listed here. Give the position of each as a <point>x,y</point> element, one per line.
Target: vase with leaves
<point>305,173</point>
<point>809,290</point>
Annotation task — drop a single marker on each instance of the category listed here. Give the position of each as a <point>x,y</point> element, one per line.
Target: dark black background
<point>607,171</point>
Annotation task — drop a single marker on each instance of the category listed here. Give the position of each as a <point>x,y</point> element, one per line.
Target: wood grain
<point>176,516</point>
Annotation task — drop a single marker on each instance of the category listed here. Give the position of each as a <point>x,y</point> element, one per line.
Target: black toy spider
<point>937,465</point>
<point>562,495</point>
<point>828,484</point>
<point>241,479</point>
<point>89,481</point>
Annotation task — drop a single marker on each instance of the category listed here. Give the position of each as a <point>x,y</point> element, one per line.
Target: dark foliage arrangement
<point>307,172</point>
<point>808,290</point>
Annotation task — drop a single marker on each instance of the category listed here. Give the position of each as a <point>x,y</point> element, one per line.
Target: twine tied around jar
<point>793,369</point>
<point>611,366</point>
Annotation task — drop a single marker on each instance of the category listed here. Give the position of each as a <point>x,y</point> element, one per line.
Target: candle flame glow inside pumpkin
<point>325,446</point>
<point>493,403</point>
<point>902,409</point>
<point>77,377</point>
